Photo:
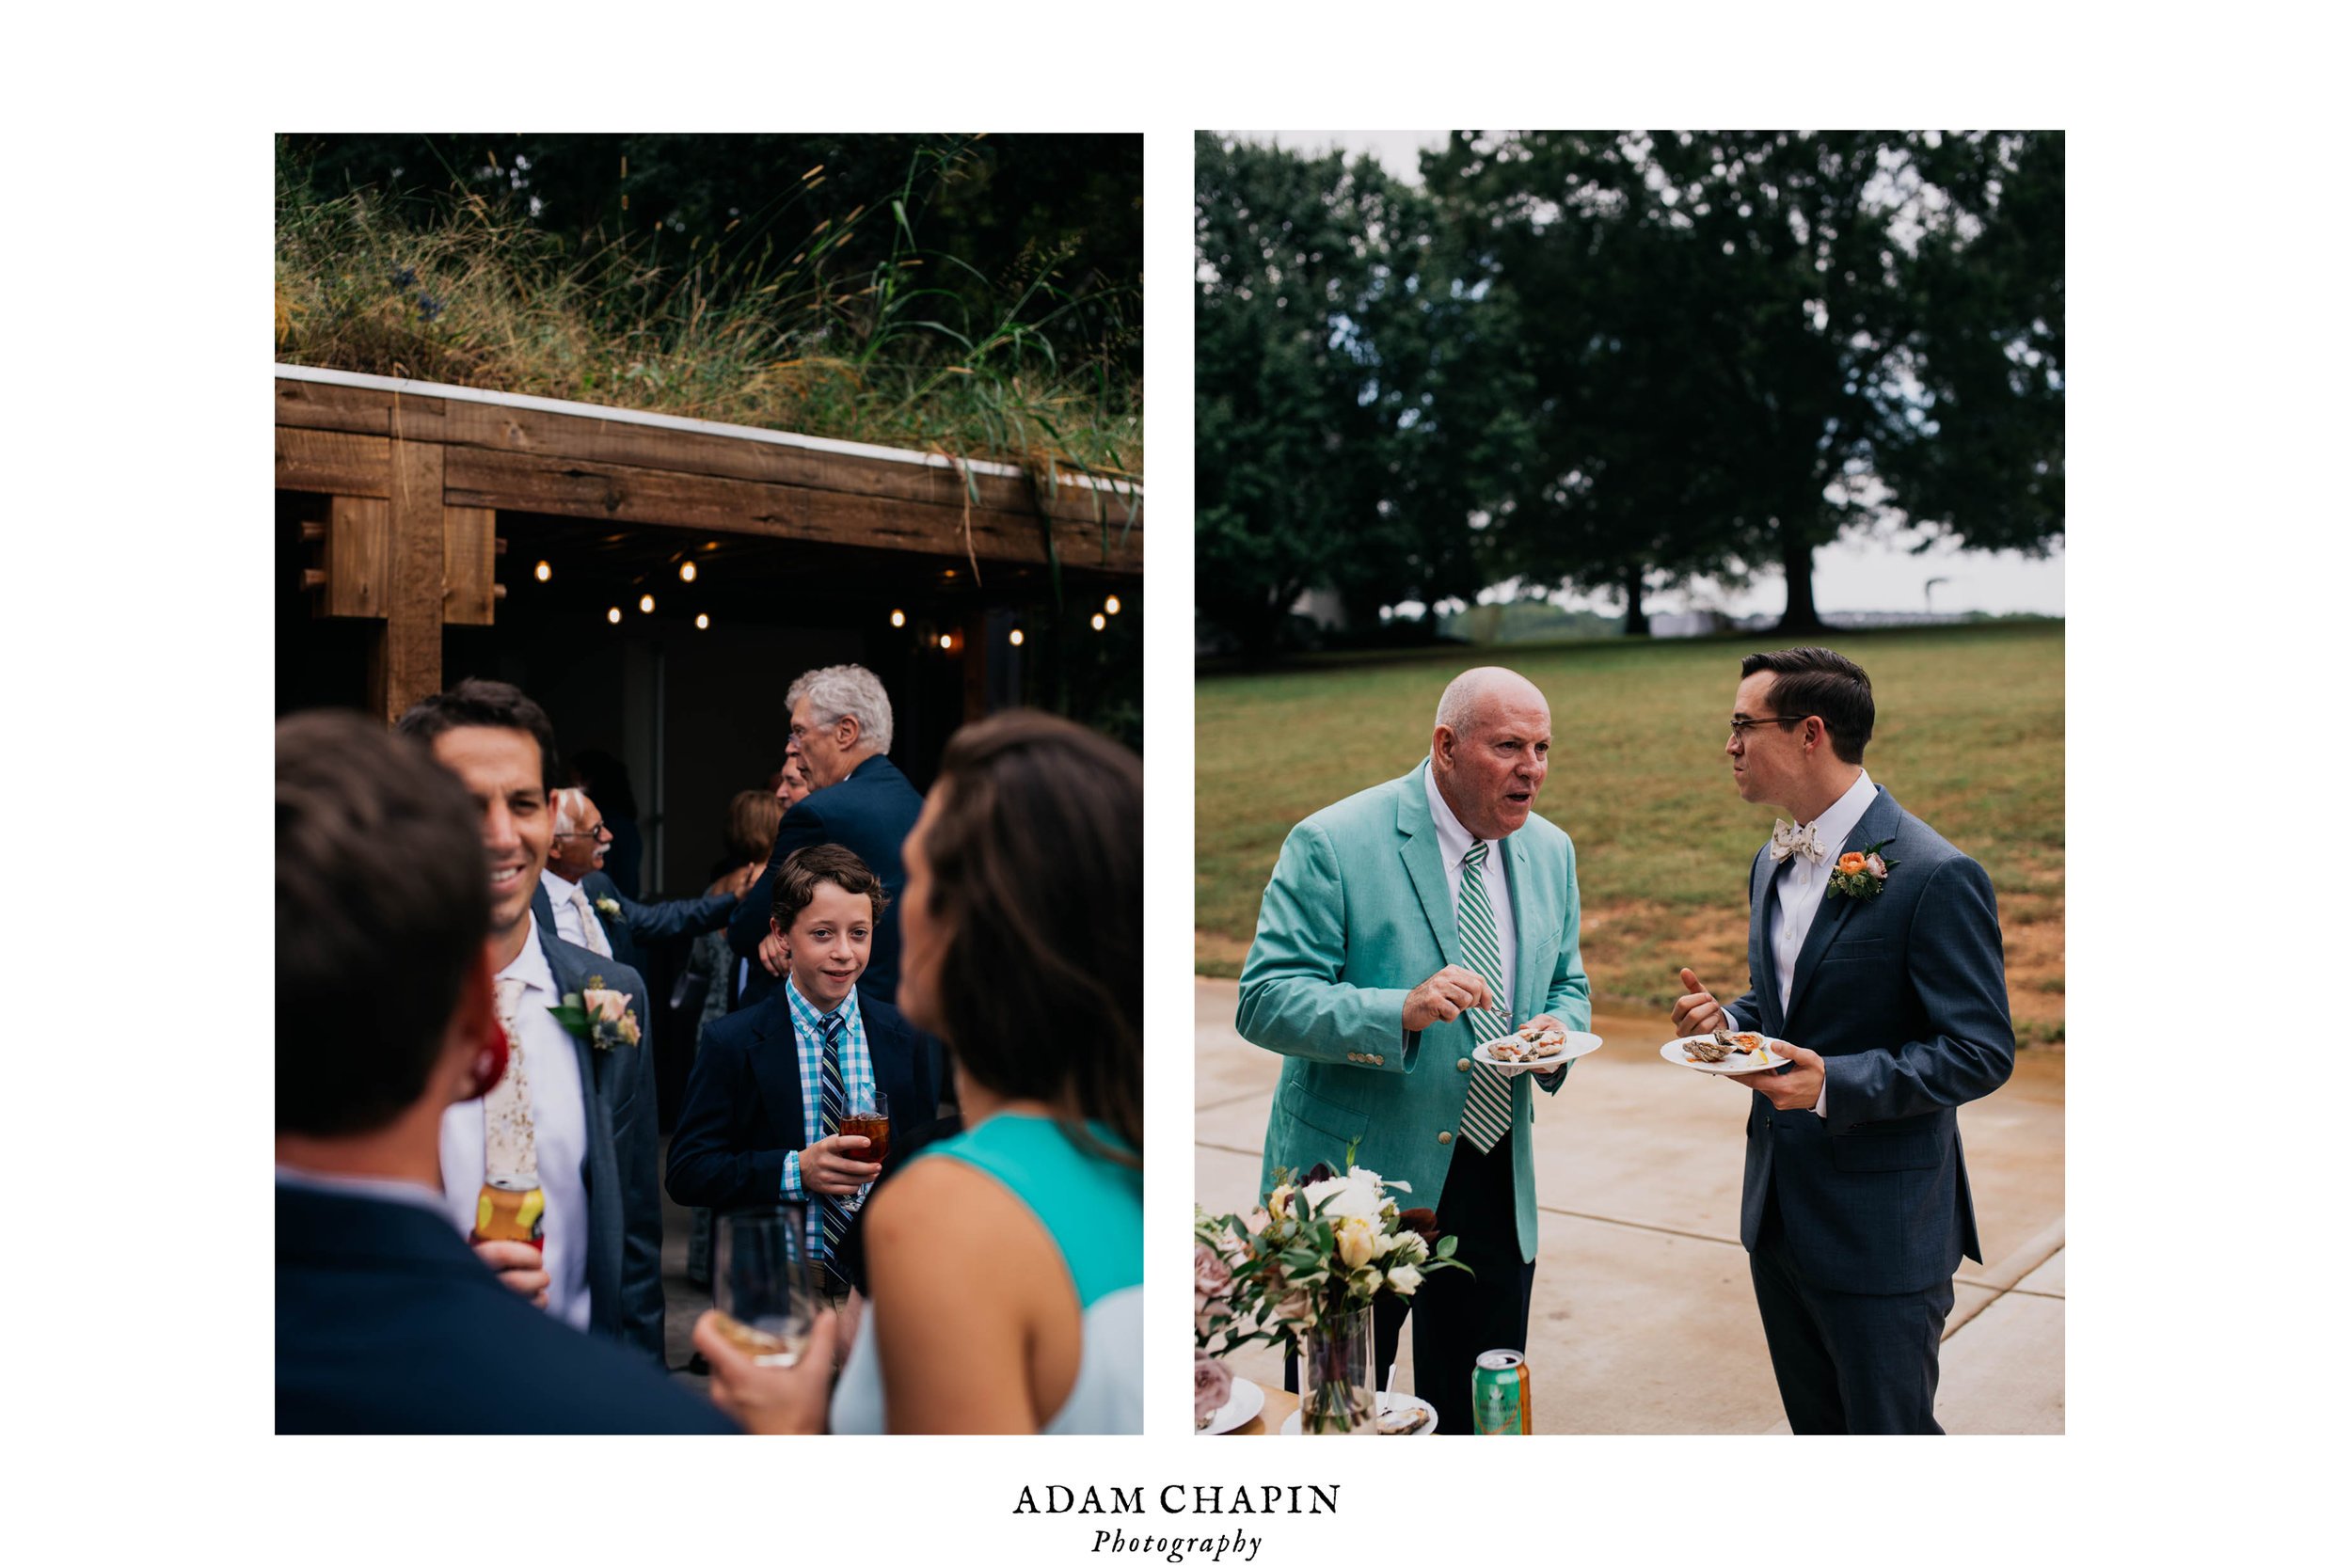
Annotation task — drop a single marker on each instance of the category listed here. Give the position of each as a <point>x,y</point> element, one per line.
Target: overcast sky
<point>1849,575</point>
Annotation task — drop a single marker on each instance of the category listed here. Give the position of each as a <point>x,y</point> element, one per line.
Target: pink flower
<point>609,1005</point>
<point>1212,1387</point>
<point>1876,867</point>
<point>1212,1276</point>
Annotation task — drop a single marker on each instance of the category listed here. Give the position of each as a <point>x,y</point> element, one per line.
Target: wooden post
<point>406,665</point>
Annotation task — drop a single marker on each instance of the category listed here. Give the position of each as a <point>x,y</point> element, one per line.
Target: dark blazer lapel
<point>1762,873</point>
<point>602,1170</point>
<point>1425,865</point>
<point>775,1050</point>
<point>1876,823</point>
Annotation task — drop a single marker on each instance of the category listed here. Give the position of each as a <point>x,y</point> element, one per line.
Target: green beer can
<point>1499,1395</point>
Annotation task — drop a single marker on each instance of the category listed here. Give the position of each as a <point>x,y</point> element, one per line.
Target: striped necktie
<point>1486,1108</point>
<point>832,1215</point>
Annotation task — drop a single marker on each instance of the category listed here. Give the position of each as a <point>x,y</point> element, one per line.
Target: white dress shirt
<point>575,921</point>
<point>1798,887</point>
<point>558,1119</point>
<point>1454,842</point>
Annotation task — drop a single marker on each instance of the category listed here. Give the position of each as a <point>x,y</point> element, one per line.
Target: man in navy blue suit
<point>1874,949</point>
<point>385,1017</point>
<point>588,909</point>
<point>772,1082</point>
<point>840,718</point>
<point>592,1105</point>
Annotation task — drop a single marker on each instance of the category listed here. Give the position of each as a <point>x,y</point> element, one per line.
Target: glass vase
<point>1337,1394</point>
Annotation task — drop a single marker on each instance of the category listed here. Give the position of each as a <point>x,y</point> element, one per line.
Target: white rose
<point>1349,1201</point>
<point>1404,1279</point>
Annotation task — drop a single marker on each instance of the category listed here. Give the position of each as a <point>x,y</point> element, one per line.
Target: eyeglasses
<point>1740,727</point>
<point>599,831</point>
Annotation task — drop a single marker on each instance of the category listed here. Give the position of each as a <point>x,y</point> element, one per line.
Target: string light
<point>1099,622</point>
<point>613,615</point>
<point>1111,604</point>
<point>686,571</point>
<point>646,604</point>
<point>543,571</point>
<point>702,623</point>
<point>897,617</point>
<point>945,642</point>
<point>1016,637</point>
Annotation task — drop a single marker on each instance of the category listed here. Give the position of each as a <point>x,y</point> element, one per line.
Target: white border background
<point>2206,310</point>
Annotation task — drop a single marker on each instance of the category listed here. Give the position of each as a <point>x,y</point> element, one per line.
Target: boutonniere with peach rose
<point>1862,873</point>
<point>609,908</point>
<point>601,1016</point>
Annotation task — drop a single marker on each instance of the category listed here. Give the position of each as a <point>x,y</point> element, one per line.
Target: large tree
<point>1747,343</point>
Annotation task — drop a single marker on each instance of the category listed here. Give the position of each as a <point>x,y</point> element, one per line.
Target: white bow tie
<point>1789,839</point>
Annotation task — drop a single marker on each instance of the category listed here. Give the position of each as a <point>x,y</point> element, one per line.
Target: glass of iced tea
<point>869,1117</point>
<point>761,1284</point>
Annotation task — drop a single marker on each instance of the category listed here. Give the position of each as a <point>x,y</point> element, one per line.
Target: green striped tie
<point>1487,1109</point>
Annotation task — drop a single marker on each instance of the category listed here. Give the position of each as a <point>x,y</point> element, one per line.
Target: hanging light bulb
<point>646,604</point>
<point>702,623</point>
<point>686,571</point>
<point>543,571</point>
<point>1099,622</point>
<point>613,615</point>
<point>1111,605</point>
<point>1016,637</point>
<point>897,617</point>
<point>945,642</point>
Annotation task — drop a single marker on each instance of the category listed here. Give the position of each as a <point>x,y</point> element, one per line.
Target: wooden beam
<point>406,664</point>
<point>611,492</point>
<point>359,410</point>
<point>333,463</point>
<point>357,558</point>
<point>469,565</point>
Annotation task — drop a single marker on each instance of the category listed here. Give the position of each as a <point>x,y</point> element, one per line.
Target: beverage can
<point>1500,1406</point>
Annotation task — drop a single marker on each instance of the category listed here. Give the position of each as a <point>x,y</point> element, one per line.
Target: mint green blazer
<point>1356,915</point>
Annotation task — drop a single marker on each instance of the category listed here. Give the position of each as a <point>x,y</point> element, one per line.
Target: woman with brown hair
<point>1006,1263</point>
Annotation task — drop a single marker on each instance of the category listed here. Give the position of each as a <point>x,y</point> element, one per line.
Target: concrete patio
<point>1644,1320</point>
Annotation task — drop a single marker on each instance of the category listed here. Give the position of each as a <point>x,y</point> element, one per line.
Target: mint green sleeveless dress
<point>1093,1209</point>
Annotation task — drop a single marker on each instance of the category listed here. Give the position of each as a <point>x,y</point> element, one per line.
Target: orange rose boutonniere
<point>1861,873</point>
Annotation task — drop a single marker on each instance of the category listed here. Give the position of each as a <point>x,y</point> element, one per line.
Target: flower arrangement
<point>1862,873</point>
<point>602,1018</point>
<point>609,908</point>
<point>1296,1270</point>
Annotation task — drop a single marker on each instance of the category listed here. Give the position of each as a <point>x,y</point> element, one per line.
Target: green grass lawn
<point>1971,737</point>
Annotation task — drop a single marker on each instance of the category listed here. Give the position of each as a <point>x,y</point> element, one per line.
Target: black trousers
<point>1456,1316</point>
<point>1847,1363</point>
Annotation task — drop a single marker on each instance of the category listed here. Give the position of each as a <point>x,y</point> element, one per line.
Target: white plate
<point>1388,1402</point>
<point>1577,1045</point>
<point>1671,1051</point>
<point>1241,1406</point>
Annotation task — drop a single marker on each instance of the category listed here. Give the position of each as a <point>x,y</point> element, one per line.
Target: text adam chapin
<point>1179,1499</point>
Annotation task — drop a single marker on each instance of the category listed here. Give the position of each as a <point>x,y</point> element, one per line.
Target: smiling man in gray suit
<point>1874,950</point>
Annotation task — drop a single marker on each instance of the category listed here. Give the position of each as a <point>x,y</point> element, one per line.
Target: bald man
<point>1402,925</point>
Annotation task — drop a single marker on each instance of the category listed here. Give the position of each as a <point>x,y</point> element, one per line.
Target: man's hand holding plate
<point>1799,1088</point>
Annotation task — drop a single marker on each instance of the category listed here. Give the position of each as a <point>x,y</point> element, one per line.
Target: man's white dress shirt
<point>1454,842</point>
<point>1798,887</point>
<point>575,921</point>
<point>559,1117</point>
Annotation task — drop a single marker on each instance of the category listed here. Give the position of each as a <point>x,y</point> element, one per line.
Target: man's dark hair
<point>803,870</point>
<point>383,907</point>
<point>476,703</point>
<point>1036,854</point>
<point>1826,685</point>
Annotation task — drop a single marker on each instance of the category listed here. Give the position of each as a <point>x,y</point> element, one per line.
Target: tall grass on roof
<point>466,292</point>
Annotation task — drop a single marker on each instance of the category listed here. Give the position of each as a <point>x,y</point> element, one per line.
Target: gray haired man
<point>840,730</point>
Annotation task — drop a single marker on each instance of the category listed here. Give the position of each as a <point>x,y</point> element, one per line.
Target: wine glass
<point>761,1284</point>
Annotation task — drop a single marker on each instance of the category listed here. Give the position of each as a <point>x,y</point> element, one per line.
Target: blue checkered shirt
<point>857,1080</point>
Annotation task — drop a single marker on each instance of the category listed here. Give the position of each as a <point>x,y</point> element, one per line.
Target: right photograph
<point>1629,797</point>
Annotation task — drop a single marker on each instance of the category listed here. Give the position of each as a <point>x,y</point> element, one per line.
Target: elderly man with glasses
<point>581,904</point>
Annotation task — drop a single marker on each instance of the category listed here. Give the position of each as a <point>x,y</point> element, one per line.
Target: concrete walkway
<point>1644,1320</point>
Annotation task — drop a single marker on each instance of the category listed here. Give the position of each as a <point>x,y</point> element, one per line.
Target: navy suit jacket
<point>1903,994</point>
<point>623,1168</point>
<point>869,813</point>
<point>743,1114</point>
<point>388,1322</point>
<point>641,923</point>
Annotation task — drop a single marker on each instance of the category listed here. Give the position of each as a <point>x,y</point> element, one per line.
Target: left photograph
<point>710,598</point>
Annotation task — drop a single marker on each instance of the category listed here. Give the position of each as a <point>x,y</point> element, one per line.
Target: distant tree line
<point>1619,361</point>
